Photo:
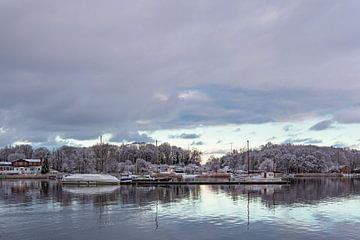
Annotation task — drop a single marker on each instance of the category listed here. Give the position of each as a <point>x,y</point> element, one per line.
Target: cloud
<point>271,139</point>
<point>186,136</point>
<point>302,141</point>
<point>132,137</point>
<point>348,115</point>
<point>192,95</point>
<point>197,143</point>
<point>159,65</point>
<point>340,145</point>
<point>288,128</point>
<point>161,97</point>
<point>237,130</point>
<point>216,151</point>
<point>323,125</point>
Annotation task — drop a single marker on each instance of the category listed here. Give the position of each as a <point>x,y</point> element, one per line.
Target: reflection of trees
<point>144,195</point>
<point>302,191</point>
<point>308,191</point>
<point>22,191</point>
<point>30,191</point>
<point>315,190</point>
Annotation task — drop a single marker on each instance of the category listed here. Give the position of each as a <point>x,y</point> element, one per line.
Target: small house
<point>345,170</point>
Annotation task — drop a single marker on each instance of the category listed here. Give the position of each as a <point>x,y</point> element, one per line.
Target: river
<point>322,208</point>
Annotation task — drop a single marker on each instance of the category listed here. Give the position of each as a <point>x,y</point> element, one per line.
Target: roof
<point>29,160</point>
<point>5,163</point>
<point>33,160</point>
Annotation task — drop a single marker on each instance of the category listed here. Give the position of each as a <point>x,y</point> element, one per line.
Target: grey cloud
<point>219,151</point>
<point>302,141</point>
<point>66,71</point>
<point>340,145</point>
<point>227,104</point>
<point>323,125</point>
<point>271,139</point>
<point>197,143</point>
<point>132,137</point>
<point>186,136</point>
<point>348,115</point>
<point>287,128</point>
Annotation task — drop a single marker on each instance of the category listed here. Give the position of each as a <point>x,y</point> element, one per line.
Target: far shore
<point>27,176</point>
<point>52,176</point>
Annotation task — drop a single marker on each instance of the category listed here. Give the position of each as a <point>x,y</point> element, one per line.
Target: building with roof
<point>6,167</point>
<point>27,166</point>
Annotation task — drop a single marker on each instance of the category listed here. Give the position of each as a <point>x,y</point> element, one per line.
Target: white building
<point>6,167</point>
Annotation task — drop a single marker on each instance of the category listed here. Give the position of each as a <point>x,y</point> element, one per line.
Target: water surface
<point>308,209</point>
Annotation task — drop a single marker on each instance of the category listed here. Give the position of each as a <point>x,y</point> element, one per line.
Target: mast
<point>157,155</point>
<point>248,157</point>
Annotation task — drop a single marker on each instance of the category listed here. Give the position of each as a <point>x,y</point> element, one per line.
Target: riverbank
<point>300,175</point>
<point>29,176</point>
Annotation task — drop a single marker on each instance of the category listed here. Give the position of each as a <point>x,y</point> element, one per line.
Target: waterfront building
<point>6,167</point>
<point>27,166</point>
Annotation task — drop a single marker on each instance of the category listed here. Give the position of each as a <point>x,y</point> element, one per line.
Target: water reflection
<point>309,207</point>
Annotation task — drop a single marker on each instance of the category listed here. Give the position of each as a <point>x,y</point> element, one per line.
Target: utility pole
<point>248,156</point>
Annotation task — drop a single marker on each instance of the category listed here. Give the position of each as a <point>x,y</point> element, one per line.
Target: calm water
<point>308,209</point>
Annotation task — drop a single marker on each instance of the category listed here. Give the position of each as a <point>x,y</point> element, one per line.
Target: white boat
<point>90,179</point>
<point>136,178</point>
<point>264,178</point>
<point>126,178</point>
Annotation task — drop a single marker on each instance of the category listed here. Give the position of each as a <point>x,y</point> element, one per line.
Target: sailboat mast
<point>248,157</point>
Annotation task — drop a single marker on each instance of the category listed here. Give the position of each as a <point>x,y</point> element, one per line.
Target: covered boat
<point>90,179</point>
<point>79,190</point>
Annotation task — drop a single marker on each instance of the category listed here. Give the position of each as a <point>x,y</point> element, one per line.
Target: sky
<point>199,74</point>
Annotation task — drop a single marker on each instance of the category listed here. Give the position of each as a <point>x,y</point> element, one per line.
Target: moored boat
<point>90,179</point>
<point>264,178</point>
<point>126,178</point>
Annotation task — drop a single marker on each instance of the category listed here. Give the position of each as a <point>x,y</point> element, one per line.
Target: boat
<point>143,178</point>
<point>126,178</point>
<point>147,179</point>
<point>90,179</point>
<point>264,178</point>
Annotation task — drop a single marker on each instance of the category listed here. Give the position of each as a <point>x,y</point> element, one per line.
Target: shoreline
<point>27,176</point>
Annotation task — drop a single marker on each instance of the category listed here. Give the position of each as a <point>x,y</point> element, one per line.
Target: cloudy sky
<point>204,74</point>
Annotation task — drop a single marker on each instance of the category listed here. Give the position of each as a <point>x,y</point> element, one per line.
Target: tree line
<point>288,158</point>
<point>113,158</point>
<point>103,157</point>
